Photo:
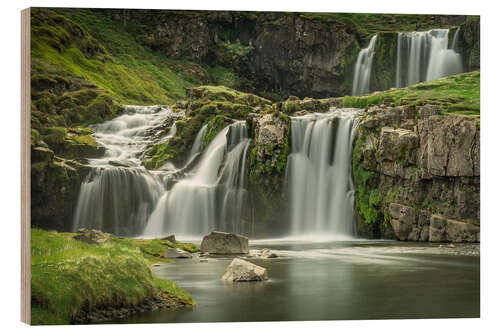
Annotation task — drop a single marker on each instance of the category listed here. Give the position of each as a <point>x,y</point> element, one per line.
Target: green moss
<point>68,276</point>
<point>214,126</point>
<point>456,94</point>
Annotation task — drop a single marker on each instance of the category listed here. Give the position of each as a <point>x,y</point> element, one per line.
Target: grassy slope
<point>457,94</point>
<point>67,275</point>
<point>368,24</point>
<point>127,70</point>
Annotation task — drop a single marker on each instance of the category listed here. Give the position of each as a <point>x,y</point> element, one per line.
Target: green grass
<point>126,69</point>
<point>458,94</point>
<point>69,275</point>
<point>368,24</point>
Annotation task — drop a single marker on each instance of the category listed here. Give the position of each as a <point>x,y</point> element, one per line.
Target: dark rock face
<point>282,53</point>
<point>470,44</point>
<point>55,184</point>
<point>421,174</point>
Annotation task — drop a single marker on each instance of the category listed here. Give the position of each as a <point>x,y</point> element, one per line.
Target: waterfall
<point>214,196</point>
<point>320,188</point>
<point>424,56</point>
<point>118,195</point>
<point>363,69</point>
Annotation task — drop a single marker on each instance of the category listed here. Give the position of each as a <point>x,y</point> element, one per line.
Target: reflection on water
<point>322,281</point>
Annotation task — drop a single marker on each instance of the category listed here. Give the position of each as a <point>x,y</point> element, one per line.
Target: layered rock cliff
<point>417,175</point>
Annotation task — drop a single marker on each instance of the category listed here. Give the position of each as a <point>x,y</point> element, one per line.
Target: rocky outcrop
<point>91,236</point>
<point>414,169</point>
<point>55,184</point>
<point>224,243</point>
<point>268,158</point>
<point>243,271</point>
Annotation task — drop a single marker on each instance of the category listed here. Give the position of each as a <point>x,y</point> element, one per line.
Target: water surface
<point>326,281</point>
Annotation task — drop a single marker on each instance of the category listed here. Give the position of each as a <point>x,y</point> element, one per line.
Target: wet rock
<point>267,254</point>
<point>170,238</point>
<point>241,270</point>
<point>403,219</point>
<point>172,253</point>
<point>122,163</point>
<point>91,236</point>
<point>224,243</point>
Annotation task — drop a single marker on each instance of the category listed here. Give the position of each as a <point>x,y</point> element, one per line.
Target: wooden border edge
<point>25,165</point>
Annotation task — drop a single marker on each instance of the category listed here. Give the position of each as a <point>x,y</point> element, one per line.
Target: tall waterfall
<point>363,69</point>
<point>424,56</point>
<point>214,197</point>
<point>319,181</point>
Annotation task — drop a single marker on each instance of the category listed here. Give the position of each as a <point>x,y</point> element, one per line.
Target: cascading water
<point>214,196</point>
<point>320,188</point>
<point>363,69</point>
<point>118,194</point>
<point>424,56</point>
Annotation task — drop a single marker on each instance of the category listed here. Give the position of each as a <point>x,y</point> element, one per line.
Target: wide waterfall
<point>425,55</point>
<point>319,181</point>
<point>363,69</point>
<point>122,197</point>
<point>214,196</point>
<point>119,195</point>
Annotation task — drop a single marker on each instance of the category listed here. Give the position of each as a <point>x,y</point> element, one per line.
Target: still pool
<point>327,281</point>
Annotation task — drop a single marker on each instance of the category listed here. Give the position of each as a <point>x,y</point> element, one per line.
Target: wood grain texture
<point>25,166</point>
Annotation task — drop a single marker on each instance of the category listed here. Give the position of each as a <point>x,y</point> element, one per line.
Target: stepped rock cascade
<point>320,188</point>
<point>363,69</point>
<point>214,196</point>
<point>425,55</point>
<point>119,194</point>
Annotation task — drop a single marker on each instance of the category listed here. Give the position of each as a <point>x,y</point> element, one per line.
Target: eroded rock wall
<point>417,175</point>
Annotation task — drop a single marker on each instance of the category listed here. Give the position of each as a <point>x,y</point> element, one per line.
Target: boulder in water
<point>170,238</point>
<point>241,271</point>
<point>266,254</point>
<point>224,243</point>
<point>172,253</point>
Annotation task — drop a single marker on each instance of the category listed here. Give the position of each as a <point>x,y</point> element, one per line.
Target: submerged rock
<point>224,243</point>
<point>240,271</point>
<point>267,254</point>
<point>177,253</point>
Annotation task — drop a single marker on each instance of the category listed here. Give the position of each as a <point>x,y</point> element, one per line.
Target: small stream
<point>327,281</point>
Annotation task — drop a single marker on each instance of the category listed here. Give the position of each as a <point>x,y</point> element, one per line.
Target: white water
<point>118,195</point>
<point>213,197</point>
<point>363,69</point>
<point>424,56</point>
<point>319,182</point>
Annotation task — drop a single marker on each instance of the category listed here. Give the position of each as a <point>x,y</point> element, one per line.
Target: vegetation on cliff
<point>215,106</point>
<point>457,94</point>
<point>70,276</point>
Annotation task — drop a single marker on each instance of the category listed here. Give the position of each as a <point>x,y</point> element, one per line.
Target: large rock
<point>91,236</point>
<point>449,146</point>
<point>402,220</point>
<point>443,229</point>
<point>172,253</point>
<point>170,238</point>
<point>224,243</point>
<point>240,271</point>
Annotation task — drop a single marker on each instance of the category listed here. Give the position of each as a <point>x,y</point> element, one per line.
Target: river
<point>328,281</point>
